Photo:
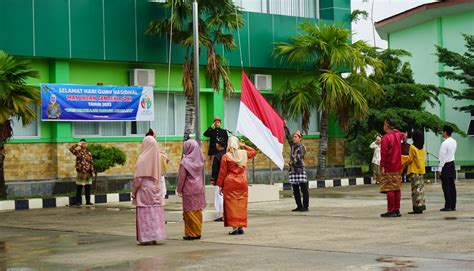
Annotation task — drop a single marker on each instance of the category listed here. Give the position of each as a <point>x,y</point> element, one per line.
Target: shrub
<point>106,157</point>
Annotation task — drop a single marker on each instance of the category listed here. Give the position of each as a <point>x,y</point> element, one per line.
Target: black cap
<point>83,140</point>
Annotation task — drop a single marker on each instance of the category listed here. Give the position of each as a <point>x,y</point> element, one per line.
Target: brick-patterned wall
<point>336,152</point>
<point>28,161</point>
<point>54,161</point>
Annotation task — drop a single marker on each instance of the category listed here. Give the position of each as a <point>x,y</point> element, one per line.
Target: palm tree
<point>326,51</point>
<point>17,101</point>
<point>217,18</point>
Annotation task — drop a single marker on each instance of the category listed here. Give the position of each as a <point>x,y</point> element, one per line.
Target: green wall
<point>113,30</point>
<point>420,41</point>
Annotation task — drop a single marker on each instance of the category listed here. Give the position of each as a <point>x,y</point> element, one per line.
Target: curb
<point>331,183</point>
<point>52,202</point>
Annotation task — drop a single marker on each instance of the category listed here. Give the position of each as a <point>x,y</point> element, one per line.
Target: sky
<point>382,10</point>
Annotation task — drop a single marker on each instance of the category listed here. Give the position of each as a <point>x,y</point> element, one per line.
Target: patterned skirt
<point>297,178</point>
<point>192,223</point>
<point>390,182</point>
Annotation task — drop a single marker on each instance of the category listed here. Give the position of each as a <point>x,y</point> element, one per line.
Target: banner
<point>62,102</point>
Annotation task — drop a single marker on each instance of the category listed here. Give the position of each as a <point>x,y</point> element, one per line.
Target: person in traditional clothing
<point>164,160</point>
<point>405,151</point>
<point>216,165</point>
<point>84,169</point>
<point>147,195</point>
<point>215,133</point>
<point>415,162</point>
<point>191,189</point>
<point>391,168</point>
<point>447,169</point>
<point>376,158</point>
<point>54,109</point>
<point>297,174</point>
<point>233,183</point>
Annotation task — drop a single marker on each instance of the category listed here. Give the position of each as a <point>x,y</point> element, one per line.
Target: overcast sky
<point>382,10</point>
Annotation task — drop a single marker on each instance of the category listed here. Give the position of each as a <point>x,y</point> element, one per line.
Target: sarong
<point>192,223</point>
<point>390,182</point>
<point>235,212</point>
<point>150,224</point>
<point>417,192</point>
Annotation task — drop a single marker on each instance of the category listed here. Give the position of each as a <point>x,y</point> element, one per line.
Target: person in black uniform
<point>215,133</point>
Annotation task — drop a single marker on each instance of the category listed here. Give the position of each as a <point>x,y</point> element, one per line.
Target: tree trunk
<point>189,119</point>
<point>3,188</point>
<point>323,147</point>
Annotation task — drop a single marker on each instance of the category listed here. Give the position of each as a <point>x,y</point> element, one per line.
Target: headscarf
<point>418,140</point>
<point>148,163</point>
<point>234,153</point>
<point>193,160</point>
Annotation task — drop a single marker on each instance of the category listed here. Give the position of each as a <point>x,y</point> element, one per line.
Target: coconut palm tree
<point>327,53</point>
<point>17,101</point>
<point>217,18</point>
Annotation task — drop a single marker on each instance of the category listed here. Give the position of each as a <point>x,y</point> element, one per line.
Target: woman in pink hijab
<point>191,189</point>
<point>147,194</point>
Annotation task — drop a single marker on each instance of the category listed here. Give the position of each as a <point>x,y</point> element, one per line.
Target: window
<point>300,8</point>
<point>231,111</point>
<point>169,120</point>
<point>28,131</point>
<point>470,128</point>
<point>313,124</point>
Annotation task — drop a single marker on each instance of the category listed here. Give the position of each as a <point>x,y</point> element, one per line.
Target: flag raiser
<point>260,123</point>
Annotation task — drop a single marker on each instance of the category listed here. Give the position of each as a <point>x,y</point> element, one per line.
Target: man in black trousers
<point>448,169</point>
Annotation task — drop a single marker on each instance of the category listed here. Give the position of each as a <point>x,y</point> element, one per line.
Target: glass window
<point>231,112</point>
<point>30,130</point>
<point>300,8</point>
<point>169,120</point>
<point>170,113</point>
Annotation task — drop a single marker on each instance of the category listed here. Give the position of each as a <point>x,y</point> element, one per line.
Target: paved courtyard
<point>342,231</point>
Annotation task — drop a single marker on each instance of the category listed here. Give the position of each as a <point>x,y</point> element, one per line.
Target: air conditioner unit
<point>262,81</point>
<point>142,77</point>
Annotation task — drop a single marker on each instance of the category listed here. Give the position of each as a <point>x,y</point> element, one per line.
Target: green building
<point>103,42</point>
<point>417,31</point>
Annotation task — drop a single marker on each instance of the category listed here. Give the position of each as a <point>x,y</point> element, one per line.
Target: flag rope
<point>238,37</point>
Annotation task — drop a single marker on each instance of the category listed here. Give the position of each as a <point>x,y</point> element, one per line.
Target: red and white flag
<point>260,123</point>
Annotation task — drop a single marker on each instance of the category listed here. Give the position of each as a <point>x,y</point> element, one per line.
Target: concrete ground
<point>342,231</point>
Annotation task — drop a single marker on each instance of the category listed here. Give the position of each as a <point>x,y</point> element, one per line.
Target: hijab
<point>193,160</point>
<point>418,140</point>
<point>148,163</point>
<point>234,153</point>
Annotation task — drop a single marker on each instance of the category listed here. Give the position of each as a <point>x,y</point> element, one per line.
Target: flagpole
<point>197,115</point>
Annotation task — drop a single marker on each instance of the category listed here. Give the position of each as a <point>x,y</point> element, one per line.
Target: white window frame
<point>38,126</point>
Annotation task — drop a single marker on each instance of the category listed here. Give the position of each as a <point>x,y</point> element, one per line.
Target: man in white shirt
<point>448,169</point>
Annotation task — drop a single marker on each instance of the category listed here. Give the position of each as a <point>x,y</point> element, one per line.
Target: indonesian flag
<point>260,123</point>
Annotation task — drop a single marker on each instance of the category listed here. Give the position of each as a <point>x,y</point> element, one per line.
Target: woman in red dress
<point>233,183</point>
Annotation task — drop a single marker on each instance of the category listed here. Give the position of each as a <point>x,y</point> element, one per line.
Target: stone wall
<point>50,161</point>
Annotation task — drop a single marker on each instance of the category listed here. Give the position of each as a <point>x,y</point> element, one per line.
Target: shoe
<point>191,238</point>
<point>90,204</point>
<point>445,209</point>
<point>219,219</point>
<point>398,213</point>
<point>240,231</point>
<point>391,214</point>
<point>304,210</point>
<point>297,209</point>
<point>415,212</point>
<point>234,232</point>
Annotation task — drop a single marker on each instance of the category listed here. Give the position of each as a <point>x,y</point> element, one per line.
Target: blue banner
<point>61,102</point>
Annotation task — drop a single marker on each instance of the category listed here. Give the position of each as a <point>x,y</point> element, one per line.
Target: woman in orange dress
<point>233,183</point>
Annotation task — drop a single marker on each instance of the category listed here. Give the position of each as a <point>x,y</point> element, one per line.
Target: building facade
<point>100,41</point>
<point>417,31</point>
